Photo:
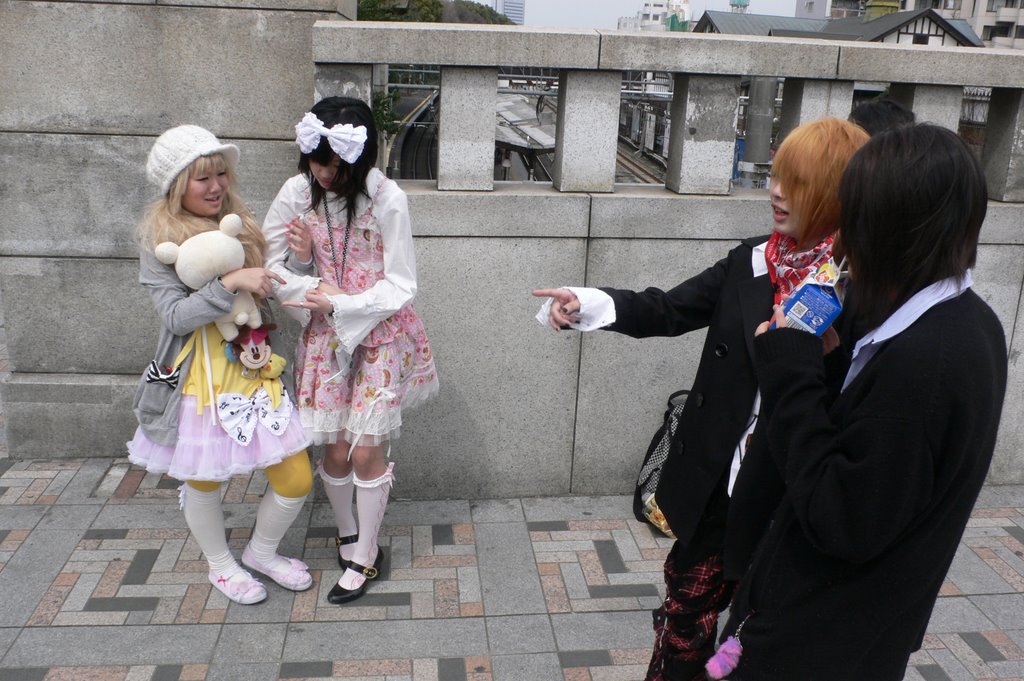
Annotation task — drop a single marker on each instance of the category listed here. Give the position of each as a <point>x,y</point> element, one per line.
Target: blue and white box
<point>816,303</point>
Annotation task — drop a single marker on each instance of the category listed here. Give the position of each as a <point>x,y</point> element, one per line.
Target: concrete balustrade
<point>981,67</point>
<point>1004,148</point>
<point>587,131</point>
<point>381,42</point>
<point>938,104</point>
<point>468,100</point>
<point>718,54</point>
<point>522,410</point>
<point>804,100</point>
<point>703,137</point>
<point>820,77</point>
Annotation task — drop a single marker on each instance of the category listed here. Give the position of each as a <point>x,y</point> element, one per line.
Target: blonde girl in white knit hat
<point>194,386</point>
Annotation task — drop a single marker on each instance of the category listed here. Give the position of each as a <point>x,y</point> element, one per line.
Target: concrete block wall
<point>522,410</point>
<point>87,87</point>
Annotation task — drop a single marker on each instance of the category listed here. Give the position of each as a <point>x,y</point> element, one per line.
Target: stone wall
<point>86,88</point>
<point>522,410</point>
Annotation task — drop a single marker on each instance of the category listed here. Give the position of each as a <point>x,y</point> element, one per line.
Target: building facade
<point>658,15</point>
<point>513,9</point>
<point>1000,23</point>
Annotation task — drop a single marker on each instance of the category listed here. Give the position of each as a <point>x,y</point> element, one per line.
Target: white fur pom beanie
<point>175,150</point>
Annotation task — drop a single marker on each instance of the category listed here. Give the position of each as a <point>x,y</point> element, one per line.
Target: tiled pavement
<point>100,580</point>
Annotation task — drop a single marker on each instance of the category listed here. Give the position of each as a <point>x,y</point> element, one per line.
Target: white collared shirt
<point>900,320</point>
<point>759,266</point>
<point>354,315</point>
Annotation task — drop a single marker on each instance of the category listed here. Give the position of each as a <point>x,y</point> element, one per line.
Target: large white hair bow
<point>345,139</point>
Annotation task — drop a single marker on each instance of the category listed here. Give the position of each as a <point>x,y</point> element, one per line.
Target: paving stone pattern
<point>101,580</point>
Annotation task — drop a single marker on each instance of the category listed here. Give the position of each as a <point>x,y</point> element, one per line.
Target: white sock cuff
<point>333,481</point>
<point>287,502</point>
<point>199,497</point>
<point>385,479</point>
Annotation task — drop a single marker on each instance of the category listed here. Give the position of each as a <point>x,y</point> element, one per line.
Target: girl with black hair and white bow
<point>340,235</point>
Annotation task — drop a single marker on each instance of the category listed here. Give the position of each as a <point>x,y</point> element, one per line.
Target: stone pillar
<point>587,131</point>
<point>342,80</point>
<point>938,104</point>
<point>805,100</point>
<point>702,139</point>
<point>760,118</point>
<point>1003,156</point>
<point>379,89</point>
<point>465,136</point>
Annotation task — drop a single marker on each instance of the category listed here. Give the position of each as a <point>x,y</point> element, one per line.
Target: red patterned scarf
<point>787,267</point>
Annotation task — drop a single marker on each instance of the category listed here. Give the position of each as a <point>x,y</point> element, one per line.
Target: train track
<point>627,162</point>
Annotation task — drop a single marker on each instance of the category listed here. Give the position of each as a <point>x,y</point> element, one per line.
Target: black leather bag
<point>664,443</point>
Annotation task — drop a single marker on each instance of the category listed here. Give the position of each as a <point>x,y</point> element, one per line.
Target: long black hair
<point>350,180</point>
<point>913,200</point>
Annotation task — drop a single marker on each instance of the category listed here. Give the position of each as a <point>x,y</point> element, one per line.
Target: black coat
<point>730,302</point>
<point>879,485</point>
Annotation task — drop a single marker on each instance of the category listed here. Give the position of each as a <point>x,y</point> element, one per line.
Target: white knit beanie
<point>175,150</point>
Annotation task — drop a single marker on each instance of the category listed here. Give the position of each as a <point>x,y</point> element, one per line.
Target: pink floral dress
<point>392,367</point>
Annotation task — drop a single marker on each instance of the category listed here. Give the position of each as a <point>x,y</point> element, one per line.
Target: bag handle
<point>672,404</point>
<point>676,394</point>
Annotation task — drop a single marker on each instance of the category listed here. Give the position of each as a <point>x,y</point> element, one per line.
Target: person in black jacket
<point>880,479</point>
<point>729,299</point>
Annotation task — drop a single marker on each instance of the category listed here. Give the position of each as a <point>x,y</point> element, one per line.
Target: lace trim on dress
<point>373,428</point>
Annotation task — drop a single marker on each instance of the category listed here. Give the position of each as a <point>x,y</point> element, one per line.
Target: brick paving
<point>101,581</point>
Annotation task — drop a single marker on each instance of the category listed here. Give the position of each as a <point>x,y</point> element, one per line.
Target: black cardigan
<point>730,302</point>
<point>879,487</point>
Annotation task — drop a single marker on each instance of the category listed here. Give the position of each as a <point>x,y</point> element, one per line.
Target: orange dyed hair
<point>808,165</point>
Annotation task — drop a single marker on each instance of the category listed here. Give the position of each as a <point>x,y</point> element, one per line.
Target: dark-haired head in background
<point>881,114</point>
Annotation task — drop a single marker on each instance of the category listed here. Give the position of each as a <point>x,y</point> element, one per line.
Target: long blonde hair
<point>167,220</point>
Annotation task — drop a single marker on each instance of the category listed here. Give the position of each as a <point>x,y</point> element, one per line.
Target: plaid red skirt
<point>685,624</point>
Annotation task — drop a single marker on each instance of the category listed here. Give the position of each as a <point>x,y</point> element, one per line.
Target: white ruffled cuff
<point>597,309</point>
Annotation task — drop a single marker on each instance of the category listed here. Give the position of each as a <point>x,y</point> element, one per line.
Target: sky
<point>606,13</point>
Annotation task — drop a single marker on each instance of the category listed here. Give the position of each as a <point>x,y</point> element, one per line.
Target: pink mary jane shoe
<point>240,587</point>
<point>295,577</point>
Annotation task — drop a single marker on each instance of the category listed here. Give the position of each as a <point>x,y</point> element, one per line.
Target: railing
<point>707,69</point>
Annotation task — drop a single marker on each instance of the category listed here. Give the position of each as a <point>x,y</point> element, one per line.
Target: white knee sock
<point>205,519</point>
<point>339,492</point>
<point>371,502</point>
<point>275,515</point>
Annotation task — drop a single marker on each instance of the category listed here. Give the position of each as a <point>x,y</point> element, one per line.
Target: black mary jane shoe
<point>339,594</point>
<point>345,541</point>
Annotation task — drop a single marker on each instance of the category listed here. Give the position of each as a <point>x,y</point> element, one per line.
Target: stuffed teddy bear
<point>201,258</point>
